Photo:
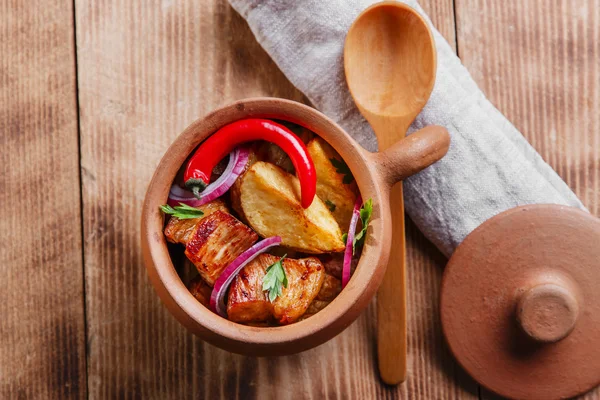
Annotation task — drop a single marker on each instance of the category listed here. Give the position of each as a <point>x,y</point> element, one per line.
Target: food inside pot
<point>269,220</point>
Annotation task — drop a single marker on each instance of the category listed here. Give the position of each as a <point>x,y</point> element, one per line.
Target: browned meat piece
<point>248,303</point>
<point>330,289</point>
<point>218,239</point>
<point>334,263</point>
<point>200,290</point>
<point>187,272</point>
<point>305,278</point>
<point>316,306</point>
<point>179,230</point>
<point>305,316</point>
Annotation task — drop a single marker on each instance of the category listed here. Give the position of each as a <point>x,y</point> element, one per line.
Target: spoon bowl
<point>390,65</point>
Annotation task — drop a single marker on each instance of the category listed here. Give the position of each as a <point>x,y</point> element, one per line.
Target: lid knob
<point>548,312</point>
<point>520,302</point>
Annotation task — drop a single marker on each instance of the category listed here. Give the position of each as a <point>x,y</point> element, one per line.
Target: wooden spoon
<point>390,64</point>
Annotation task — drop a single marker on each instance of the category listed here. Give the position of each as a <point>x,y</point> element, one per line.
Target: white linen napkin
<point>489,168</point>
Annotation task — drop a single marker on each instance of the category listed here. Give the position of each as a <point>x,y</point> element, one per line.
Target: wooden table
<point>91,95</point>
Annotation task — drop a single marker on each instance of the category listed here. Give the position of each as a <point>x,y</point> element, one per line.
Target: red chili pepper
<point>217,146</point>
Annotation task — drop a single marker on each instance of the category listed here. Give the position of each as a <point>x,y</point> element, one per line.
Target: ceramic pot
<point>375,174</point>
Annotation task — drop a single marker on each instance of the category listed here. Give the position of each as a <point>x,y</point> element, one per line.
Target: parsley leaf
<point>365,217</point>
<point>330,205</point>
<point>342,168</point>
<point>182,211</point>
<point>274,279</point>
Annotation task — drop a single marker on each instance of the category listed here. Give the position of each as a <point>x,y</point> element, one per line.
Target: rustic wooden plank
<point>442,16</point>
<point>434,373</point>
<point>539,64</point>
<point>145,72</point>
<point>42,332</point>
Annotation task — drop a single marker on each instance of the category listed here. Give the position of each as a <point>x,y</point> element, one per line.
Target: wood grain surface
<point>145,70</point>
<point>539,63</point>
<point>42,332</point>
<point>144,74</point>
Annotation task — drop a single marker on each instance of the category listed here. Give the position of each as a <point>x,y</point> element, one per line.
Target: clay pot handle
<point>413,153</point>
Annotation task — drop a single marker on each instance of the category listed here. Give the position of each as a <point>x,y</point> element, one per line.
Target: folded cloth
<point>489,168</point>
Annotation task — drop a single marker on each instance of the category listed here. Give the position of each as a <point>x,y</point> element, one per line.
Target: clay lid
<point>520,302</point>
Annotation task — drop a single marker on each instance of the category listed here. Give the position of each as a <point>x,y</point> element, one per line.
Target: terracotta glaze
<point>374,173</point>
<point>520,302</point>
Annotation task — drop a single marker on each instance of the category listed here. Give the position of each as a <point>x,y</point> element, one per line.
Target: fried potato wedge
<point>248,303</point>
<point>269,199</point>
<point>217,240</point>
<point>331,189</point>
<point>179,230</point>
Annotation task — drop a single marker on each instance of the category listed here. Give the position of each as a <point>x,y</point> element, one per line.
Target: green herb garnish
<point>330,205</point>
<point>365,217</point>
<point>274,279</point>
<point>342,168</point>
<point>182,211</point>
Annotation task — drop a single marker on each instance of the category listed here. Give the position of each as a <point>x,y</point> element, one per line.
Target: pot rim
<point>287,339</point>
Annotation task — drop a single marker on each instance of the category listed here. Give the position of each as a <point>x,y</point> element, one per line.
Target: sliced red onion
<point>238,159</point>
<point>349,252</point>
<point>178,191</point>
<point>179,195</point>
<point>217,297</point>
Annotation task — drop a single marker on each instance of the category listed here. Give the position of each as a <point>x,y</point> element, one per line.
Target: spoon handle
<point>399,160</point>
<point>391,296</point>
<point>391,301</point>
